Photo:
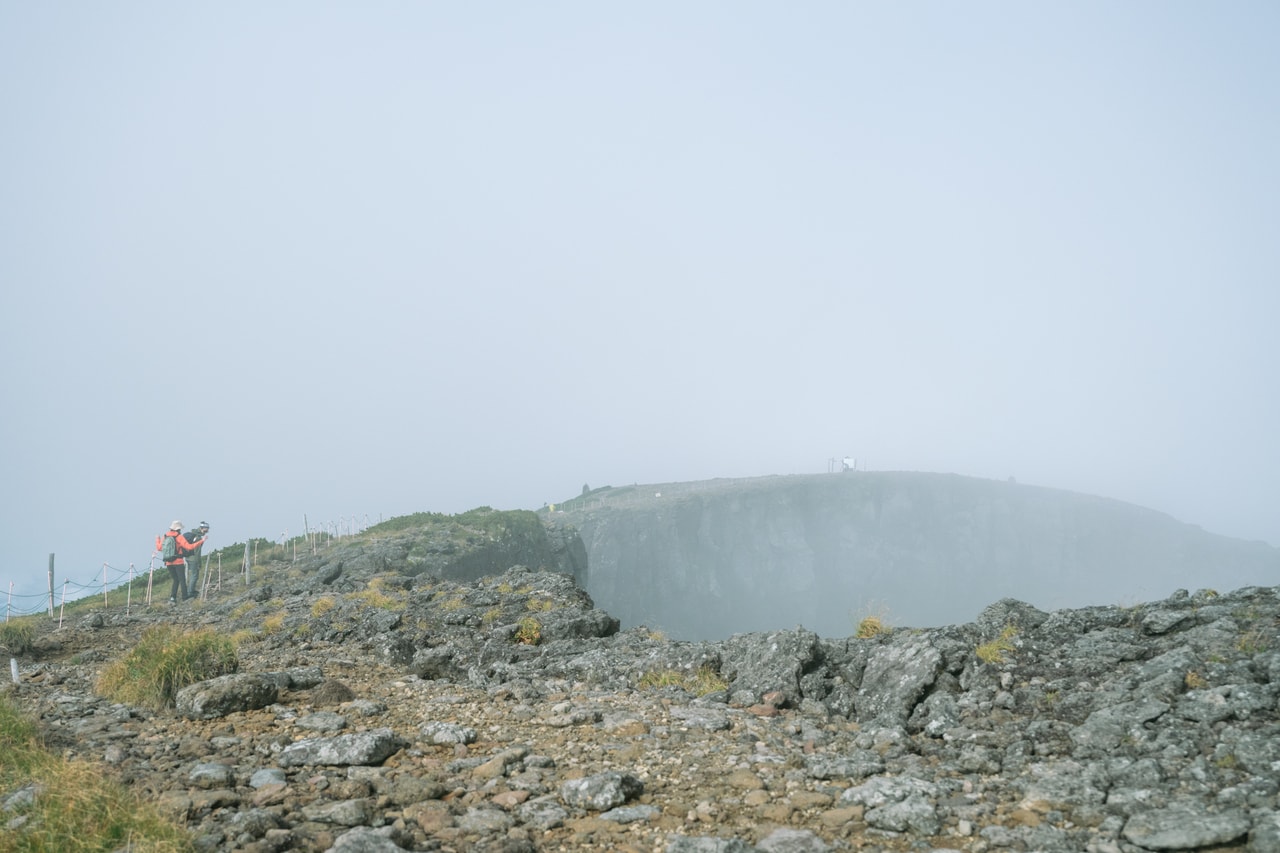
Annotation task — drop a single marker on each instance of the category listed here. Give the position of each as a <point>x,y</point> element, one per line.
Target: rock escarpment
<point>509,713</point>
<point>708,559</point>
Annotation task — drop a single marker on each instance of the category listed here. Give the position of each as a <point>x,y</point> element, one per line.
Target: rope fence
<point>117,588</point>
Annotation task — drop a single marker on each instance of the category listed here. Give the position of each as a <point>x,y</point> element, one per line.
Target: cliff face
<point>707,560</point>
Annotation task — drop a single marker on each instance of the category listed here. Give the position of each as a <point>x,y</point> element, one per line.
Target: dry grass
<point>75,806</point>
<point>700,682</point>
<point>322,605</point>
<point>871,626</point>
<point>994,651</point>
<point>529,631</point>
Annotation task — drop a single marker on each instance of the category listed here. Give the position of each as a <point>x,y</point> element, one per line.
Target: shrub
<point>321,606</point>
<point>1195,681</point>
<point>993,651</point>
<point>165,660</point>
<point>539,605</point>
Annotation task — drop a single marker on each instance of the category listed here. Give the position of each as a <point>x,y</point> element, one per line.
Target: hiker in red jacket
<point>177,565</point>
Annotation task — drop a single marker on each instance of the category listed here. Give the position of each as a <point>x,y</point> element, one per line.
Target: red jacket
<point>184,547</point>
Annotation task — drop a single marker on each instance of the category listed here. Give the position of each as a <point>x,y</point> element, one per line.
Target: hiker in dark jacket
<point>177,566</point>
<point>196,535</point>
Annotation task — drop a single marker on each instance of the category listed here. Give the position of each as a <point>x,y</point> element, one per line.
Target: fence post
<point>51,586</point>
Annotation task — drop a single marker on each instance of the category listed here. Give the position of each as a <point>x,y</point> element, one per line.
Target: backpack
<point>169,548</point>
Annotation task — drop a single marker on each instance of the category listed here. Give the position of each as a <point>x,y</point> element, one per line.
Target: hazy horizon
<point>263,262</point>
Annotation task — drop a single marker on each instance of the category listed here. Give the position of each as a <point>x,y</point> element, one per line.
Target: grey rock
<point>602,791</point>
<point>767,663</point>
<point>793,841</point>
<point>442,733</point>
<point>857,765</point>
<point>706,719</point>
<point>361,748</point>
<point>896,678</point>
<point>485,821</point>
<point>342,812</point>
<point>1185,827</point>
<point>696,844</point>
<point>211,775</point>
<point>630,814</point>
<point>1265,835</point>
<point>915,813</point>
<point>880,791</point>
<point>267,776</point>
<point>322,721</point>
<point>362,839</point>
<point>543,814</point>
<point>226,694</point>
<point>1107,728</point>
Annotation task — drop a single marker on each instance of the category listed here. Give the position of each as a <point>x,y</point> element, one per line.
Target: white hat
<point>177,525</point>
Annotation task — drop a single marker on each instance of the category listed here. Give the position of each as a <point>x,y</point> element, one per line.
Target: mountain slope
<point>706,560</point>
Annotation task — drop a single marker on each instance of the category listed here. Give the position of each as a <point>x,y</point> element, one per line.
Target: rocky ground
<point>375,711</point>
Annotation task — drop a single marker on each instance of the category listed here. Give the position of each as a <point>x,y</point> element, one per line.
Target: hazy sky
<point>268,260</point>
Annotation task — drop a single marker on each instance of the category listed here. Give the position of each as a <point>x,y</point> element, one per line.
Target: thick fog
<point>273,264</point>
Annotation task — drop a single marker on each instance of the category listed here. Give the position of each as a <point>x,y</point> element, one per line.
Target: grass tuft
<point>994,651</point>
<point>74,807</point>
<point>700,682</point>
<point>871,626</point>
<point>18,635</point>
<point>529,631</point>
<point>165,660</point>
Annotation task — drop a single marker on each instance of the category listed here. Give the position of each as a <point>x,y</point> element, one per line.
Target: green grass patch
<point>165,660</point>
<point>18,635</point>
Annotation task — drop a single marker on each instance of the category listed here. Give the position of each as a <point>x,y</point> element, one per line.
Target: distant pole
<point>104,586</point>
<point>50,585</point>
<point>9,605</point>
<point>128,598</point>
